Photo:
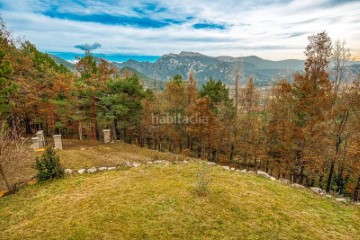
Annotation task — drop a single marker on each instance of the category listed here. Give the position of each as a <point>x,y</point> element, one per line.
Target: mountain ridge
<point>205,67</point>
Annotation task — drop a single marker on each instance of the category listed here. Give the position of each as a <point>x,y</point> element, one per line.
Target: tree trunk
<point>340,179</point>
<point>80,132</point>
<point>113,124</point>
<point>231,158</point>
<point>321,181</point>
<point>357,191</point>
<point>9,186</point>
<point>328,184</point>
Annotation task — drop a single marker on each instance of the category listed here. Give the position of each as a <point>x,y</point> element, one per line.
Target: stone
<point>329,196</point>
<point>263,174</point>
<point>135,164</point>
<point>211,163</point>
<point>318,190</point>
<point>283,180</point>
<point>296,185</point>
<point>243,171</point>
<point>92,170</point>
<point>81,171</point>
<point>35,143</point>
<point>106,135</point>
<point>272,178</point>
<point>41,138</point>
<point>343,200</point>
<point>233,169</point>
<point>226,167</point>
<point>111,168</point>
<point>161,162</point>
<point>149,162</point>
<point>185,161</point>
<point>128,164</point>
<point>251,172</point>
<point>57,142</point>
<point>102,168</point>
<point>68,171</point>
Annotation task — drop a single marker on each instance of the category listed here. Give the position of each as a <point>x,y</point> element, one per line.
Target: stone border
<point>316,190</point>
<point>259,173</point>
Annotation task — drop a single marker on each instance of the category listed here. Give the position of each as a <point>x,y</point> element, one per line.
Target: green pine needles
<point>48,166</point>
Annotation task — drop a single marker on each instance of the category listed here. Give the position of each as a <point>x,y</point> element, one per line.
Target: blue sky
<point>273,29</point>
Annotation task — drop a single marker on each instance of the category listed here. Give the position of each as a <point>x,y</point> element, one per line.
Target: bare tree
<point>12,148</point>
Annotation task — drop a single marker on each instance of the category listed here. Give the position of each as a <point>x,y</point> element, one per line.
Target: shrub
<point>48,166</point>
<point>202,182</point>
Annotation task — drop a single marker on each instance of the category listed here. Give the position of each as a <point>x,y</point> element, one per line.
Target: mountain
<point>221,67</point>
<point>147,81</point>
<point>67,64</point>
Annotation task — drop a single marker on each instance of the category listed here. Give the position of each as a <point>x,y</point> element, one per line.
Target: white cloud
<point>276,30</point>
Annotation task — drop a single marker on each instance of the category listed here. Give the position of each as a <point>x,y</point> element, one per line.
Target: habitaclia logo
<point>178,119</point>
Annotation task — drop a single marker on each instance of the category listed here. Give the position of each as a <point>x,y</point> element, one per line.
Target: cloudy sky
<point>272,29</point>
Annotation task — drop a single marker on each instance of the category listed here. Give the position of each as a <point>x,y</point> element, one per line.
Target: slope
<point>158,201</point>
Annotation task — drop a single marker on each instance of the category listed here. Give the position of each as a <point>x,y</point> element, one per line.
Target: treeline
<point>306,131</point>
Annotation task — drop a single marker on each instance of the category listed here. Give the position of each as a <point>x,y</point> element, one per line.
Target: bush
<point>48,166</point>
<point>202,181</point>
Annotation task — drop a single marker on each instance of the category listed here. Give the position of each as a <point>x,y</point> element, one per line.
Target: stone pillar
<point>35,143</point>
<point>57,142</point>
<point>41,138</point>
<point>106,135</point>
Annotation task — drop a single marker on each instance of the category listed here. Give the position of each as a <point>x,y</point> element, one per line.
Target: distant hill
<point>221,67</point>
<point>155,74</point>
<point>147,81</point>
<point>67,64</point>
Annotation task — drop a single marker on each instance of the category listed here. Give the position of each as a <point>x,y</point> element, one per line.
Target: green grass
<point>160,202</point>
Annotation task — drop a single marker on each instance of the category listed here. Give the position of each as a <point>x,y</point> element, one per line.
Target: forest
<point>305,130</point>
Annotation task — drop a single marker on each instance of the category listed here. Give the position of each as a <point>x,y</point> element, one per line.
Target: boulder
<point>111,168</point>
<point>272,178</point>
<point>102,168</point>
<point>233,169</point>
<point>135,164</point>
<point>149,162</point>
<point>318,190</point>
<point>329,196</point>
<point>283,180</point>
<point>296,185</point>
<point>343,200</point>
<point>243,171</point>
<point>92,170</point>
<point>81,171</point>
<point>161,162</point>
<point>263,174</point>
<point>68,171</point>
<point>226,167</point>
<point>211,163</point>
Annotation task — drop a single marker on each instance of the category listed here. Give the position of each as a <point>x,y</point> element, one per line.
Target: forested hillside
<point>305,130</point>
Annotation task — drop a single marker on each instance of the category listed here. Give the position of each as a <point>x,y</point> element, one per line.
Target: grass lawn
<point>160,202</point>
<point>84,154</point>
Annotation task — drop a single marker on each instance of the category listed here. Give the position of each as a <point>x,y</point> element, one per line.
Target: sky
<point>271,29</point>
